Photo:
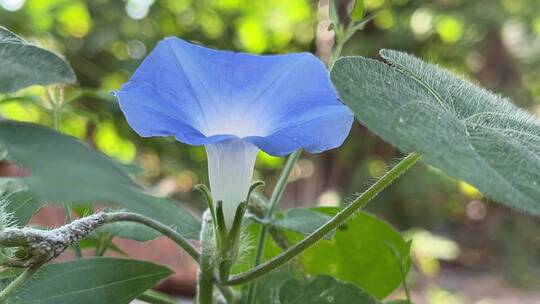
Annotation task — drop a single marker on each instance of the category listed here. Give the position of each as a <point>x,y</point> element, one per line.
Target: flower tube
<point>234,104</point>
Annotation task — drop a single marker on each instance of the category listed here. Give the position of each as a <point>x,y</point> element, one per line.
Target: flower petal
<point>203,96</point>
<point>319,129</point>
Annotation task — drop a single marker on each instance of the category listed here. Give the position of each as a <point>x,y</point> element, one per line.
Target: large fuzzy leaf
<point>462,129</point>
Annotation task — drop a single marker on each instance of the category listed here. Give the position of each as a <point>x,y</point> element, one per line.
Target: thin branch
<point>19,281</point>
<point>332,224</point>
<point>160,227</point>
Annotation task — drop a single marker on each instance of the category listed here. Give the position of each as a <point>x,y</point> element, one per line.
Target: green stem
<point>228,294</point>
<point>282,182</point>
<point>57,108</point>
<point>56,116</point>
<point>342,37</point>
<point>162,228</point>
<point>272,204</point>
<point>154,297</point>
<point>206,268</point>
<point>260,249</point>
<point>106,240</point>
<point>332,224</point>
<point>18,282</point>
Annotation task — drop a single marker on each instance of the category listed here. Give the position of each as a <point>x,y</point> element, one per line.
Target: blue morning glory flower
<point>234,104</point>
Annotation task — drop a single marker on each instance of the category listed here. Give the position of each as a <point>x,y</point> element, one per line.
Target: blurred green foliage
<point>494,42</point>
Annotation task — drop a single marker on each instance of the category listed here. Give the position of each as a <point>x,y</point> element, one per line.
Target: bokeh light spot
<point>12,5</point>
<point>450,29</point>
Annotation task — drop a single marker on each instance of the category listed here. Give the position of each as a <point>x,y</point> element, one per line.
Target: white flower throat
<point>230,170</point>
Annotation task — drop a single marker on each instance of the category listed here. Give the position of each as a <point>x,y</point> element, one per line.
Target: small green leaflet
<point>333,15</point>
<point>357,12</point>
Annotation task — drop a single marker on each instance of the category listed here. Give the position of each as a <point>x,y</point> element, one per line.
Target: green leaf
<point>94,242</point>
<point>66,170</point>
<point>323,289</point>
<point>359,253</point>
<point>22,205</point>
<point>268,287</point>
<point>464,130</point>
<point>24,64</point>
<point>303,220</point>
<point>357,12</point>
<point>129,230</point>
<point>96,280</point>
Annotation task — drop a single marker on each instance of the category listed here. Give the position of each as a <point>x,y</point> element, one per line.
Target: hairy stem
<point>19,281</point>
<point>162,228</point>
<point>332,224</point>
<point>205,283</point>
<point>272,204</point>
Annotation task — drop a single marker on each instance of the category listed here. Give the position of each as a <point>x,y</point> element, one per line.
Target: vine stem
<point>205,284</point>
<point>19,281</point>
<point>84,226</point>
<point>332,224</point>
<point>56,104</point>
<point>160,227</point>
<point>277,193</point>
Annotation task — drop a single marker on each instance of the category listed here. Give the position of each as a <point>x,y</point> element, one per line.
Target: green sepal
<point>208,197</point>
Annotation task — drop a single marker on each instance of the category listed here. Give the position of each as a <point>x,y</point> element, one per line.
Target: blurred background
<point>466,248</point>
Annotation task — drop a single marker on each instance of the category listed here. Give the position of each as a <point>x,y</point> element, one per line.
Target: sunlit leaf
<point>24,64</point>
<point>357,12</point>
<point>361,252</point>
<point>464,130</point>
<point>97,280</point>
